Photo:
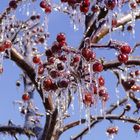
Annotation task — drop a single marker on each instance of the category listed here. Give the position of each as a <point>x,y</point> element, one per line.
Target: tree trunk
<point>50,131</point>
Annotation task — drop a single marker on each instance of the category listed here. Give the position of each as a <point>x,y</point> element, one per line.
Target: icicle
<point>90,72</point>
<point>111,137</point>
<point>117,94</point>
<point>110,23</point>
<point>133,10</point>
<point>87,116</point>
<point>104,109</point>
<point>72,104</point>
<point>80,98</point>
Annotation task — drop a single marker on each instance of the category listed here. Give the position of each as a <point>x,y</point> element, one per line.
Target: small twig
<point>108,117</point>
<point>135,47</point>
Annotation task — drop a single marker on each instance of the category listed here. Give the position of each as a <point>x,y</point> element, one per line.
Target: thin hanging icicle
<point>72,104</point>
<point>117,94</point>
<point>110,23</point>
<point>80,100</point>
<point>87,116</point>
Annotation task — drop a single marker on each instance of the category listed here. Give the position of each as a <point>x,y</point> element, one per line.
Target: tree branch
<point>109,111</point>
<point>7,11</point>
<point>121,22</point>
<point>108,117</point>
<point>13,130</point>
<point>115,63</point>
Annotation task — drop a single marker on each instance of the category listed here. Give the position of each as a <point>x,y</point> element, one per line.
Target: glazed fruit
<point>61,37</point>
<point>63,84</point>
<point>110,4</point>
<point>112,130</point>
<point>125,49</point>
<point>97,67</point>
<point>7,44</point>
<point>25,97</point>
<point>42,4</point>
<point>47,84</point>
<point>123,58</point>
<point>88,54</point>
<point>13,4</point>
<point>101,81</point>
<point>136,128</point>
<point>36,59</point>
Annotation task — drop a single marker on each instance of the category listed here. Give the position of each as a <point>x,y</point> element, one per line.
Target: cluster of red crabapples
<point>63,64</point>
<point>124,51</point>
<point>97,90</point>
<point>84,5</point>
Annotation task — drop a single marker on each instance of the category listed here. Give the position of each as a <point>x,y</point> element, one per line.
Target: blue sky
<point>8,91</point>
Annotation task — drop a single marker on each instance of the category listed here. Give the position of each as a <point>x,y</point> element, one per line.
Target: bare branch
<point>109,111</point>
<point>108,117</point>
<point>120,23</point>
<point>13,130</point>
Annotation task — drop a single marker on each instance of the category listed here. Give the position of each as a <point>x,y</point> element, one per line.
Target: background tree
<point>98,80</point>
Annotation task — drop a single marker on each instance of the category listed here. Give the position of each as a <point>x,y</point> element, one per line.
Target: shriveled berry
<point>136,128</point>
<point>18,83</point>
<point>13,4</point>
<point>129,28</point>
<point>110,4</point>
<point>60,66</point>
<point>63,84</point>
<point>42,4</point>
